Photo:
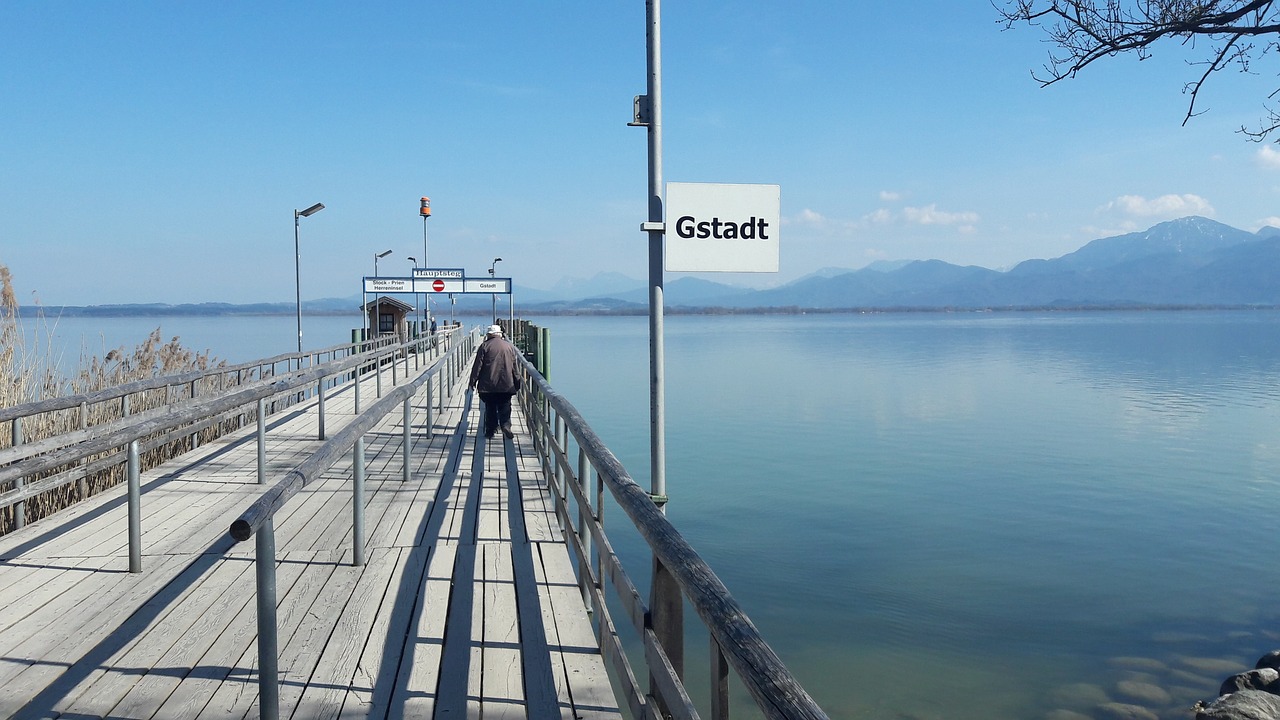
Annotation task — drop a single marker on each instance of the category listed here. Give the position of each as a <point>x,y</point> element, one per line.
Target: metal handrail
<point>775,690</point>
<point>258,520</point>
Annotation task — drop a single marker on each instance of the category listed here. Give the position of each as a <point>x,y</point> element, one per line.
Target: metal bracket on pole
<point>642,112</point>
<point>658,500</point>
<point>653,227</point>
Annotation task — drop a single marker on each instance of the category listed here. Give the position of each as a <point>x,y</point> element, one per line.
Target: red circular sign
<point>438,286</point>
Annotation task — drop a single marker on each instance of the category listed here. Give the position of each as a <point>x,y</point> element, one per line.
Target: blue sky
<point>155,152</point>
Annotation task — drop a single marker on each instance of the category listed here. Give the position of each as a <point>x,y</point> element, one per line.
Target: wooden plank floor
<point>465,608</point>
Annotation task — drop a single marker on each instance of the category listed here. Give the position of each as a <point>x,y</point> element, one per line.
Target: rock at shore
<point>1242,705</point>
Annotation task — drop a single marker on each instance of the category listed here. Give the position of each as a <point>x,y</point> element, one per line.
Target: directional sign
<point>492,286</point>
<point>717,227</point>
<point>451,285</point>
<point>388,285</point>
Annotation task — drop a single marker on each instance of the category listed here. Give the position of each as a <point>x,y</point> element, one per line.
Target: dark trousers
<point>497,410</point>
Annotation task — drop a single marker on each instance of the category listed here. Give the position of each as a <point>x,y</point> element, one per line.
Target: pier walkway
<point>466,606</point>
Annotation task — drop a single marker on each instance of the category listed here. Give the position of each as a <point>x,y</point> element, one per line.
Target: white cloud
<point>809,217</point>
<point>890,196</point>
<point>1165,207</point>
<point>931,215</point>
<point>1269,157</point>
<point>883,216</point>
<point>1272,221</point>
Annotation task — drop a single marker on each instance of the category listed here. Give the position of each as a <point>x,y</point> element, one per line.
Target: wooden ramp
<point>467,605</point>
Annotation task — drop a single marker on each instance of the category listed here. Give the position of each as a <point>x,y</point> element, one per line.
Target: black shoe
<point>506,431</point>
<point>488,434</point>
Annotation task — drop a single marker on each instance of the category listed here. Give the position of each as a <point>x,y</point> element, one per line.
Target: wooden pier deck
<point>467,605</point>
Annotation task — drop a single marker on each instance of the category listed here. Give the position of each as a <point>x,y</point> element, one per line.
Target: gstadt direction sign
<point>720,227</point>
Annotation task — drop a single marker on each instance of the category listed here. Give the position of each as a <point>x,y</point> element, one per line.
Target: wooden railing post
<point>719,683</point>
<point>585,517</point>
<point>666,617</point>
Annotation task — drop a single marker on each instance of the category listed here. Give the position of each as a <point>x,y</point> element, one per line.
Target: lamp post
<point>425,212</point>
<point>297,262</point>
<point>377,299</point>
<point>493,297</point>
<point>413,263</point>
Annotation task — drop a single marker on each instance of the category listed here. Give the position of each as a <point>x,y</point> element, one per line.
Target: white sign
<point>455,273</point>
<point>388,285</point>
<point>495,286</point>
<point>717,227</point>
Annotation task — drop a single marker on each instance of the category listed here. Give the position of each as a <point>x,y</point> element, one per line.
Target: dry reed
<point>29,373</point>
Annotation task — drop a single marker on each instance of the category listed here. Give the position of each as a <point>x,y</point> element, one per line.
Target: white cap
<point>494,330</point>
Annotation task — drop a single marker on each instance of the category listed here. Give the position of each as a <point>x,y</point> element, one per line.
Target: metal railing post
<point>20,507</point>
<point>357,503</point>
<point>262,441</point>
<point>195,436</point>
<point>394,379</point>
<point>356,381</point>
<point>377,363</point>
<point>408,441</point>
<point>431,382</point>
<point>82,485</point>
<point>268,650</point>
<point>320,406</point>
<point>135,510</point>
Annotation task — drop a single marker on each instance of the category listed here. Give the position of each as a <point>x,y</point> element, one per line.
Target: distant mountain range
<point>1189,262</point>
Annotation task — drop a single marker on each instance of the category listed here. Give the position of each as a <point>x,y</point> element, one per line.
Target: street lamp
<point>377,299</point>
<point>413,263</point>
<point>493,297</point>
<point>297,262</point>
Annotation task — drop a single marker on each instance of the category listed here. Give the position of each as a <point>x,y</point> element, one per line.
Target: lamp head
<point>309,211</point>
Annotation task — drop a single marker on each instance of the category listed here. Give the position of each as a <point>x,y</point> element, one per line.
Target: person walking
<point>496,375</point>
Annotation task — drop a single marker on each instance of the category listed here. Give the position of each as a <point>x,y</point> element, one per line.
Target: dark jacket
<point>497,367</point>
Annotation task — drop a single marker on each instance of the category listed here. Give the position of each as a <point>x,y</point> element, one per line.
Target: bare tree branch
<point>1086,31</point>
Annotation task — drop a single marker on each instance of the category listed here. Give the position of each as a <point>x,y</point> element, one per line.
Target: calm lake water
<point>1007,515</point>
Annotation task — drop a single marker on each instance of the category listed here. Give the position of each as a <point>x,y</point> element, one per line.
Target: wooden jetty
<point>472,585</point>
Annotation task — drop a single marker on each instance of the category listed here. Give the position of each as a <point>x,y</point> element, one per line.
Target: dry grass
<point>29,373</point>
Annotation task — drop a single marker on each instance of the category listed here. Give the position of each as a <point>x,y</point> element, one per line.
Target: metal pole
<point>135,510</point>
<point>268,650</point>
<point>666,604</point>
<point>657,377</point>
<point>431,386</point>
<point>262,441</point>
<point>408,441</point>
<point>19,508</point>
<point>320,407</point>
<point>357,503</point>
<point>297,276</point>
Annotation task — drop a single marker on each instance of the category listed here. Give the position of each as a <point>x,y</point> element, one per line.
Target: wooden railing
<point>679,574</point>
<point>120,436</point>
